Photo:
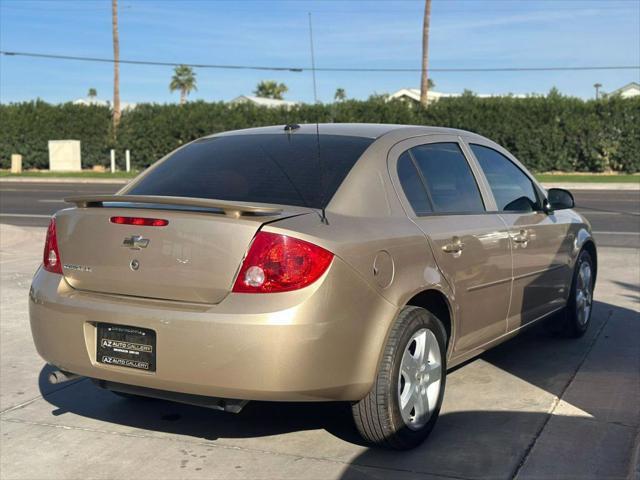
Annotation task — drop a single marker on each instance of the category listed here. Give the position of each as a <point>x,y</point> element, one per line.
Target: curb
<point>119,181</point>
<point>631,186</point>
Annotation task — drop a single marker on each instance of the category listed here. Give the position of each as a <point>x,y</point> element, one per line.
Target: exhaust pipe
<point>215,403</point>
<point>60,376</point>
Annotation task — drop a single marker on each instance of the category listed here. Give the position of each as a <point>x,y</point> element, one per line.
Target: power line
<point>144,62</point>
<point>319,69</point>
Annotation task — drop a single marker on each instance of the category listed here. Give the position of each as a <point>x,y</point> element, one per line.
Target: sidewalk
<point>635,186</point>
<point>63,180</point>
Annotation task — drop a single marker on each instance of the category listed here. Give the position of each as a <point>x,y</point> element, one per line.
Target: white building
<point>263,102</point>
<point>102,103</point>
<point>413,95</point>
<point>629,90</point>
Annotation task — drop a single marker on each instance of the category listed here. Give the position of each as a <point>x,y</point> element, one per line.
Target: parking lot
<point>535,407</point>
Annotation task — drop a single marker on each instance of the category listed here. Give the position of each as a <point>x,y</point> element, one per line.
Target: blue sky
<point>465,33</point>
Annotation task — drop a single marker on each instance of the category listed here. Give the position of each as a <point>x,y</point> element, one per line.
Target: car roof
<point>368,130</point>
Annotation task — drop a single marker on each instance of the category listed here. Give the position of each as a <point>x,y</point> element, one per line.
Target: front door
<point>541,246</point>
<point>471,246</point>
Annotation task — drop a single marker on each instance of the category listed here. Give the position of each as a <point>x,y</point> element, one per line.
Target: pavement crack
<point>558,398</point>
<point>20,405</point>
<point>45,395</point>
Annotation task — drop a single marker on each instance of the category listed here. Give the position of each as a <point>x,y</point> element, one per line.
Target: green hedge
<point>26,128</point>
<point>546,133</point>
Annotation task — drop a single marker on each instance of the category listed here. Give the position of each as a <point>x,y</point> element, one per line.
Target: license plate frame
<point>126,346</point>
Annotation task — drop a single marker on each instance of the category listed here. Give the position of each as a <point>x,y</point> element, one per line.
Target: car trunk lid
<point>193,258</point>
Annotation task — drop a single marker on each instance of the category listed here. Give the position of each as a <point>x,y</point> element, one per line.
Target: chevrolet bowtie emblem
<point>135,242</point>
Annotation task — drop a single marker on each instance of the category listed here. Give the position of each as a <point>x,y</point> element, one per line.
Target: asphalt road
<point>32,203</point>
<point>614,215</point>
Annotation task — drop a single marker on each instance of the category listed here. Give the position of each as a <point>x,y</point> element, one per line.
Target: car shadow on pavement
<point>257,419</point>
<point>493,442</point>
<point>463,442</point>
<point>492,445</point>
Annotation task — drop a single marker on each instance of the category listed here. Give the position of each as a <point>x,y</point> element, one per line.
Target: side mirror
<point>560,199</point>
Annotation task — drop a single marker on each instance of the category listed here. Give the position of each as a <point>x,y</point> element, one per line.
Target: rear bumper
<point>319,343</point>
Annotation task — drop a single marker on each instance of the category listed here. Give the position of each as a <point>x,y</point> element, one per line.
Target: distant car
<point>332,262</point>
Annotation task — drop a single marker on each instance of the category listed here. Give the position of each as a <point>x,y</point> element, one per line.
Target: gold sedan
<point>331,262</point>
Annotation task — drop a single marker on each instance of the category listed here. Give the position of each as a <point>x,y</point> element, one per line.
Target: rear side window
<point>265,168</point>
<point>412,185</point>
<point>512,189</point>
<point>448,177</point>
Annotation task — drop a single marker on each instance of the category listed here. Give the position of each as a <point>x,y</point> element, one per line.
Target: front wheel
<point>577,315</point>
<point>404,403</point>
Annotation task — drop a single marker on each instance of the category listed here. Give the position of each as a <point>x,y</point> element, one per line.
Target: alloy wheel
<point>584,293</point>
<point>419,379</point>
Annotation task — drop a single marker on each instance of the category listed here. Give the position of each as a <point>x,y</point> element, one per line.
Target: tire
<point>577,317</point>
<point>378,416</point>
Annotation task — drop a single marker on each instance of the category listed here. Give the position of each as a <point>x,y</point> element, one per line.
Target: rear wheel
<point>577,315</point>
<point>402,407</point>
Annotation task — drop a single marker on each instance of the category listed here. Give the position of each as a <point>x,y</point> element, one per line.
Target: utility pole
<point>116,65</point>
<point>597,86</point>
<point>424,83</point>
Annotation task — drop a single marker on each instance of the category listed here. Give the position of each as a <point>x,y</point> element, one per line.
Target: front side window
<point>512,189</point>
<point>450,182</point>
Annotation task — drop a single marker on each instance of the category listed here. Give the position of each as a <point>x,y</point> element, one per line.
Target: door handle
<point>455,246</point>
<point>522,237</point>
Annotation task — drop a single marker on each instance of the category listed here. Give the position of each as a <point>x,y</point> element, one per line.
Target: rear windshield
<point>266,168</point>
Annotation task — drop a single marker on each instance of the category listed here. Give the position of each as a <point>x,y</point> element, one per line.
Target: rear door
<point>441,194</point>
<point>541,246</point>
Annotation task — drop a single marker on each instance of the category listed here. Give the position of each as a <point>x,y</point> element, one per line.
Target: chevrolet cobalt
<point>331,262</point>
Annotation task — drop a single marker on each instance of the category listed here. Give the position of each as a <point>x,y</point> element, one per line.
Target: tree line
<point>547,133</point>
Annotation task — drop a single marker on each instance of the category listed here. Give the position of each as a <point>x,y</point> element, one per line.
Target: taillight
<point>140,221</point>
<point>278,263</point>
<point>51,257</point>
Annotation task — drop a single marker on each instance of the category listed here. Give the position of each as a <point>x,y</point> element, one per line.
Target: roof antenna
<point>323,216</point>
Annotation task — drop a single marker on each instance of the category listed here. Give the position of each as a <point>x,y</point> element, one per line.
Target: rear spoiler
<point>231,209</point>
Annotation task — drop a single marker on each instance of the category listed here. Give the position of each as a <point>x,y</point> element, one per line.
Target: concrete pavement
<point>535,407</point>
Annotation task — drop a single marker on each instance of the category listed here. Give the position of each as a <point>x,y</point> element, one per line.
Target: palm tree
<point>340,95</point>
<point>184,79</point>
<point>116,64</point>
<point>93,93</point>
<point>271,89</point>
<point>424,83</point>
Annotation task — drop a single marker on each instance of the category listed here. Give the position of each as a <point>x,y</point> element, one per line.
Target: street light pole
<point>597,87</point>
<point>424,80</point>
<point>116,65</point>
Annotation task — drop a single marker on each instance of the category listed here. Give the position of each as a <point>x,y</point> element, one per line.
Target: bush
<point>546,133</point>
<point>26,128</point>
